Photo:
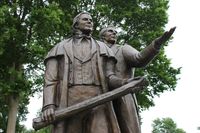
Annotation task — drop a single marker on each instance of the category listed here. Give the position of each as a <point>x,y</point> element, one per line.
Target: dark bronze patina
<point>78,69</point>
<point>62,114</point>
<point>128,59</point>
<point>80,77</point>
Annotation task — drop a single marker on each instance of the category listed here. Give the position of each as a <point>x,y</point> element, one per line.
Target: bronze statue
<point>77,69</point>
<point>128,59</point>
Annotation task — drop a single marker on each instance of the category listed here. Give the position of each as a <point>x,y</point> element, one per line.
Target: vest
<point>83,70</point>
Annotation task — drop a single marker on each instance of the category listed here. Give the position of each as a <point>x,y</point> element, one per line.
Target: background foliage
<point>30,28</point>
<point>165,125</point>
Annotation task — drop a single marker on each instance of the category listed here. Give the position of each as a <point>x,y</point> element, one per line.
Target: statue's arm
<point>134,58</point>
<point>142,58</point>
<point>113,80</point>
<point>51,81</point>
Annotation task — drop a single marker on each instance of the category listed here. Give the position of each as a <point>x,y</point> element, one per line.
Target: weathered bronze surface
<point>77,69</point>
<point>133,86</point>
<point>80,69</point>
<point>128,59</point>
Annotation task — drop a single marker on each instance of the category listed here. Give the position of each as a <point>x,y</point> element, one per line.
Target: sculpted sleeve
<point>51,81</point>
<point>113,80</point>
<point>139,59</point>
<point>109,67</point>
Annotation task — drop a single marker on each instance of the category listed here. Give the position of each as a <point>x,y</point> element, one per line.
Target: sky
<point>181,105</point>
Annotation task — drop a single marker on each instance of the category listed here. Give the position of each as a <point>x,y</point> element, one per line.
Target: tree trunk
<point>12,115</point>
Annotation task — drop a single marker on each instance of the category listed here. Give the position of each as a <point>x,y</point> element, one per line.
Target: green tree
<point>23,129</point>
<point>29,28</point>
<point>165,125</point>
<point>140,21</point>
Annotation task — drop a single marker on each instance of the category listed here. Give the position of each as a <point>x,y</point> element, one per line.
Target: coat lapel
<point>115,49</point>
<point>68,46</point>
<point>93,51</point>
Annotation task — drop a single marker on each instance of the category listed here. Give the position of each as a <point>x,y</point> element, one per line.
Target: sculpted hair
<point>101,33</point>
<point>76,19</point>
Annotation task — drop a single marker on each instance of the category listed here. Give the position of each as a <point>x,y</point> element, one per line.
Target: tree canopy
<point>165,125</point>
<point>30,28</point>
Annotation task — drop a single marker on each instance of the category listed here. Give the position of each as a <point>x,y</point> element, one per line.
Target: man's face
<point>110,35</point>
<point>85,23</point>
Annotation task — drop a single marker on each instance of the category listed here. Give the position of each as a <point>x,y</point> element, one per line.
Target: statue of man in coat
<point>79,68</point>
<point>128,58</point>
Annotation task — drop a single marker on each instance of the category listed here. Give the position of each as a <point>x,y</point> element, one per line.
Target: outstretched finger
<point>168,34</point>
<point>171,31</point>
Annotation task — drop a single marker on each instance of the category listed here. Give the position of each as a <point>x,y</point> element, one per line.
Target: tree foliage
<point>165,125</point>
<point>24,40</point>
<point>30,28</point>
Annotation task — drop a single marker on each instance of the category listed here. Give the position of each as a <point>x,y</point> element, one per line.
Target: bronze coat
<point>58,62</point>
<point>128,59</point>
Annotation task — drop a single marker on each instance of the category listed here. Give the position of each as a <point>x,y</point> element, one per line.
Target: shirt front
<point>84,59</point>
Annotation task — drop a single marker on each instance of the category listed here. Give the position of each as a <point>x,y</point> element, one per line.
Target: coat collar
<point>69,50</point>
<point>114,48</point>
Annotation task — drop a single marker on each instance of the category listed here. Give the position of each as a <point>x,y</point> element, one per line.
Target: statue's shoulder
<point>104,49</point>
<point>58,49</point>
<point>101,44</point>
<point>128,50</point>
<point>118,46</point>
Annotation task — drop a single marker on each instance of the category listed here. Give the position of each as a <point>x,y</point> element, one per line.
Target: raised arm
<point>142,58</point>
<point>162,39</point>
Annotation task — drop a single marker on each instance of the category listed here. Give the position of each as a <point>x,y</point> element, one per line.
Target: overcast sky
<point>181,105</point>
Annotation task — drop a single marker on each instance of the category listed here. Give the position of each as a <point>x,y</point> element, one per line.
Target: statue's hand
<point>141,85</point>
<point>162,39</point>
<point>136,78</point>
<point>48,114</point>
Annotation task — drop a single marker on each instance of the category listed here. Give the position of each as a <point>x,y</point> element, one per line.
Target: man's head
<point>83,22</point>
<point>108,35</point>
